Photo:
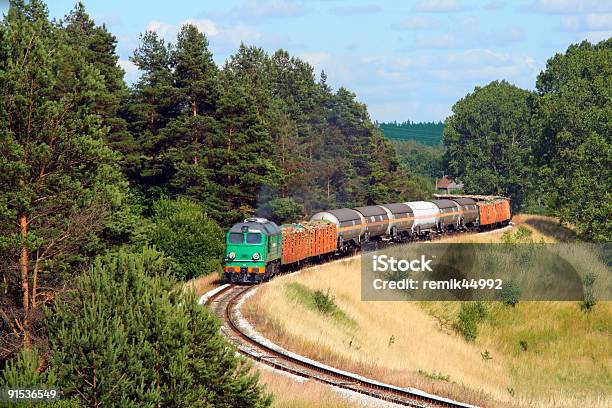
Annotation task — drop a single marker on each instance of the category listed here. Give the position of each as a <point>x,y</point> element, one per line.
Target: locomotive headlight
<point>256,256</point>
<point>231,255</point>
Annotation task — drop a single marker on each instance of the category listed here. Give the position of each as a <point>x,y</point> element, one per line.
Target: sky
<point>407,60</point>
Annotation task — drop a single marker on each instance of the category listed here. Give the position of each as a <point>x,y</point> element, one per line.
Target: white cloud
<point>416,23</point>
<point>131,70</point>
<point>222,35</point>
<point>315,58</point>
<point>445,40</point>
<point>206,26</point>
<point>128,66</point>
<point>571,6</point>
<point>240,33</point>
<point>161,28</point>
<point>438,6</point>
<point>597,36</point>
<point>588,22</point>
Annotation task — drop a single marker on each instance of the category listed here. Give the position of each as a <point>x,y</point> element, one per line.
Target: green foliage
<point>521,236</point>
<point>470,314</point>
<point>589,301</point>
<point>323,301</point>
<point>261,123</point>
<point>184,232</point>
<point>282,210</point>
<point>435,376</point>
<point>22,372</point>
<point>62,195</point>
<point>574,147</point>
<point>510,294</point>
<point>488,141</point>
<point>422,160</point>
<point>125,337</point>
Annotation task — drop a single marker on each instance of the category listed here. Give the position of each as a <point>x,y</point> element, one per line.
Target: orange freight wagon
<point>307,239</point>
<point>322,237</point>
<point>295,245</point>
<point>502,209</point>
<point>492,212</point>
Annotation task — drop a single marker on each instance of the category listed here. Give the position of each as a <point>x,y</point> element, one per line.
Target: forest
<point>427,133</point>
<point>112,196</point>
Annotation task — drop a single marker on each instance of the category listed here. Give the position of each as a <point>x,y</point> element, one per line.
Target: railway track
<point>225,303</point>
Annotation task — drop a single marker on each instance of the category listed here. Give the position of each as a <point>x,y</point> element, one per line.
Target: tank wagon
<point>257,249</point>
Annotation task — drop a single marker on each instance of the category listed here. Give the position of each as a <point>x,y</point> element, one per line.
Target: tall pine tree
<point>58,180</point>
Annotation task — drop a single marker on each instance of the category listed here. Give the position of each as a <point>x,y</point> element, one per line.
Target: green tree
<point>248,162</point>
<point>183,231</point>
<point>58,179</point>
<point>488,141</point>
<point>125,336</point>
<point>189,139</point>
<point>574,150</point>
<point>98,47</point>
<point>149,108</point>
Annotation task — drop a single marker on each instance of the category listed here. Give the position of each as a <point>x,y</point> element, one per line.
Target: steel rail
<point>223,303</point>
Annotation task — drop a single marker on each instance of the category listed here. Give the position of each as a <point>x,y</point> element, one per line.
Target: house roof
<point>445,182</point>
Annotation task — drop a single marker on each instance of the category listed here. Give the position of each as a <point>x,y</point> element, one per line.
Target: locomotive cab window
<point>235,238</point>
<point>253,238</point>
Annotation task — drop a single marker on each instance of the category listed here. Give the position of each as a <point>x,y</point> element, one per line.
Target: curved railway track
<point>225,303</point>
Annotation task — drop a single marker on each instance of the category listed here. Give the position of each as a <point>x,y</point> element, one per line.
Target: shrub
<point>469,316</point>
<point>183,231</point>
<point>324,301</point>
<point>510,294</point>
<point>521,236</point>
<point>589,301</point>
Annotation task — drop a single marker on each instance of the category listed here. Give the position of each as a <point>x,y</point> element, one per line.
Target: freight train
<point>257,249</point>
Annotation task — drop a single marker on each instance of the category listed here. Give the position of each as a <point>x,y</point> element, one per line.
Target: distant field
<point>535,354</point>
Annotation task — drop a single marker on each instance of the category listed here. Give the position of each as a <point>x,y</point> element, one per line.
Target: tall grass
<point>534,354</point>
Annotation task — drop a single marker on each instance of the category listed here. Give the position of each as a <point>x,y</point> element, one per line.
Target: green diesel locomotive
<point>253,250</point>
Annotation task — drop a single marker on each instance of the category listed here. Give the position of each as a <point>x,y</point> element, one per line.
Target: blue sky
<point>404,59</point>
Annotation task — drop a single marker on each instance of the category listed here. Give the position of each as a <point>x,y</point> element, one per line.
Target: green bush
<point>324,301</point>
<point>124,337</point>
<point>589,300</point>
<point>510,294</point>
<point>184,232</point>
<point>469,316</point>
<point>521,236</point>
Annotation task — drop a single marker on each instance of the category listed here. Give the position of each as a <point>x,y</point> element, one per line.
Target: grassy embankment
<point>288,393</point>
<point>534,354</point>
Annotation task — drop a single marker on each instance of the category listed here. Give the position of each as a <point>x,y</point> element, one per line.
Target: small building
<point>448,185</point>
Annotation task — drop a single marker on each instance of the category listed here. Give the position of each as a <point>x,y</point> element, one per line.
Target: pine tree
<point>150,107</point>
<point>189,139</point>
<point>125,337</point>
<point>99,50</point>
<point>58,179</point>
<point>247,163</point>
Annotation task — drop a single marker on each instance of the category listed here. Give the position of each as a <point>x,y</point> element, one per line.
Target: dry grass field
<point>535,354</point>
<point>203,284</point>
<point>291,393</point>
